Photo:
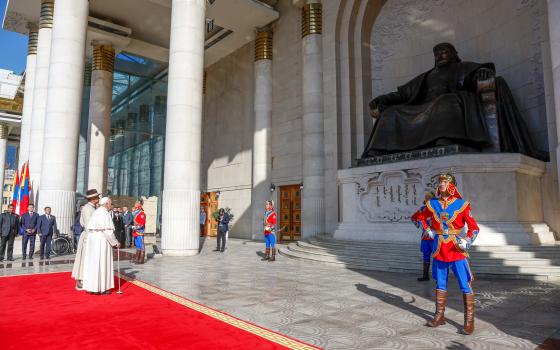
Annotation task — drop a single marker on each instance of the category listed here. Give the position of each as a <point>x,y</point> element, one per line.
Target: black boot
<point>273,257</point>
<point>266,255</point>
<point>425,275</point>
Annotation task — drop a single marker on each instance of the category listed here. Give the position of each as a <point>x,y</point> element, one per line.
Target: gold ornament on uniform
<point>263,45</point>
<point>311,21</point>
<point>32,42</point>
<point>103,58</point>
<point>47,14</point>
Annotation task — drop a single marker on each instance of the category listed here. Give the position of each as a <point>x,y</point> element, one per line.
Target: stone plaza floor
<point>340,309</point>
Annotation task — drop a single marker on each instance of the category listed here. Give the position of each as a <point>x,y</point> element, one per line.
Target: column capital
<point>312,22</point>
<point>47,14</point>
<point>263,44</point>
<point>103,57</point>
<point>32,42</point>
<point>4,131</point>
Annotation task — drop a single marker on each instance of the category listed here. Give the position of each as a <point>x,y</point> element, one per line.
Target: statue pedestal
<point>504,189</point>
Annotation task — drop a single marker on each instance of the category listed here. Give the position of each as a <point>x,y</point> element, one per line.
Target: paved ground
<point>342,309</point>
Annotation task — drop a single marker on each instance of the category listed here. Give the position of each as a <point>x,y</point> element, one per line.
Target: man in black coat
<point>9,225</point>
<point>119,226</point>
<point>46,227</point>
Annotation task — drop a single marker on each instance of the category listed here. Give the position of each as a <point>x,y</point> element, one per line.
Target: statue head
<point>445,53</point>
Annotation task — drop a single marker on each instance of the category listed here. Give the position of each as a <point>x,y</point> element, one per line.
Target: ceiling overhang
<point>149,22</point>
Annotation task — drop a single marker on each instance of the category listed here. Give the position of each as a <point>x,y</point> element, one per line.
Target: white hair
<point>104,200</point>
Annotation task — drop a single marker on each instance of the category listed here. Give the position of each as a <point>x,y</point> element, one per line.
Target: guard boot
<point>266,255</point>
<point>425,276</point>
<point>136,257</point>
<point>273,257</point>
<point>141,257</point>
<point>468,304</point>
<point>441,301</point>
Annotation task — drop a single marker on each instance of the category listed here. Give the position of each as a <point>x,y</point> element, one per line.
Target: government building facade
<point>229,103</point>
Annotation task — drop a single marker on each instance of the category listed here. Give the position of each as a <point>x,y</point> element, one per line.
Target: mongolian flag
<point>24,190</point>
<point>15,195</point>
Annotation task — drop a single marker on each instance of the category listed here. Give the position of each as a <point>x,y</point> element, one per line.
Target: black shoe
<point>24,257</point>
<point>10,259</point>
<point>217,249</point>
<point>222,250</point>
<point>48,258</point>
<point>31,258</point>
<point>1,260</point>
<point>41,258</point>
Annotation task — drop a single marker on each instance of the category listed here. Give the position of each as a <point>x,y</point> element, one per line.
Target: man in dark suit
<point>46,227</point>
<point>9,226</point>
<point>127,221</point>
<point>29,228</point>
<point>119,226</point>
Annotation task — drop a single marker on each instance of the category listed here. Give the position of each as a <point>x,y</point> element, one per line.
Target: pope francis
<point>98,263</point>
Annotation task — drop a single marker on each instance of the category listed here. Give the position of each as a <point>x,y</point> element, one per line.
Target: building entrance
<point>289,227</point>
<point>209,201</point>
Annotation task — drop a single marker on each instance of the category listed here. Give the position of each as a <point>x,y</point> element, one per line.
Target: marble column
<point>156,164</point>
<point>58,174</point>
<point>40,95</point>
<point>262,163</point>
<point>26,115</point>
<point>99,127</point>
<point>81,177</point>
<point>313,213</point>
<point>554,32</point>
<point>181,193</point>
<point>4,131</point>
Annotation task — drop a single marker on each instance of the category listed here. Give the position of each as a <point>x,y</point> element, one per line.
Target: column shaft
<point>58,174</point>
<point>81,177</point>
<point>313,213</point>
<point>554,32</point>
<point>40,95</point>
<point>261,136</point>
<point>27,113</point>
<point>100,116</point>
<point>3,149</point>
<point>181,194</point>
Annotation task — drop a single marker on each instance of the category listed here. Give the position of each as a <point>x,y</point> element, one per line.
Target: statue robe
<point>98,262</point>
<point>421,114</point>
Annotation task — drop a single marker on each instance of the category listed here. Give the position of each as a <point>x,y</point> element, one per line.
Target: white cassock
<point>98,260</point>
<point>78,268</point>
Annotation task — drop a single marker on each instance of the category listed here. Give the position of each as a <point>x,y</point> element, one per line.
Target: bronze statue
<point>441,107</point>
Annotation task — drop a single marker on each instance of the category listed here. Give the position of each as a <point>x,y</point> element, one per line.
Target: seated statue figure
<point>442,107</point>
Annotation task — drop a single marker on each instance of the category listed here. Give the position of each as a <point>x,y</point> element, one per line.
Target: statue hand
<point>484,74</point>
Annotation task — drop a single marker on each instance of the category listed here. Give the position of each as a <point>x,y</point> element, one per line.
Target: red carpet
<point>43,311</point>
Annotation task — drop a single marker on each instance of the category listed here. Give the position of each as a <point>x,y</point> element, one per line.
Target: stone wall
<point>510,33</point>
<point>228,135</point>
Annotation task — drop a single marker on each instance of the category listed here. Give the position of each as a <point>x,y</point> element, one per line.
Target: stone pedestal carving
<point>505,191</point>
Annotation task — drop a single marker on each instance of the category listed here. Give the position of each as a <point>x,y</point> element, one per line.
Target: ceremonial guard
<point>138,226</point>
<point>85,214</point>
<point>426,243</point>
<point>270,231</point>
<point>443,219</point>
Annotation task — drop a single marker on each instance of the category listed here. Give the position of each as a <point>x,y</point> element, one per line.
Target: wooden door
<point>289,226</point>
<point>209,201</point>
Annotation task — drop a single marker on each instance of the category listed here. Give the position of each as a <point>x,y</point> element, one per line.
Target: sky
<point>13,46</point>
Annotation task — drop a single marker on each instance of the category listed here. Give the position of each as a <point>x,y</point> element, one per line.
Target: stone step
<point>324,242</point>
<point>416,257</point>
<point>511,263</point>
<point>414,250</point>
<point>364,264</point>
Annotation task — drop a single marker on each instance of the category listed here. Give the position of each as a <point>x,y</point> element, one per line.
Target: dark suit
<point>9,226</point>
<point>223,226</point>
<point>119,228</point>
<point>46,227</point>
<point>28,223</point>
<point>127,221</point>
